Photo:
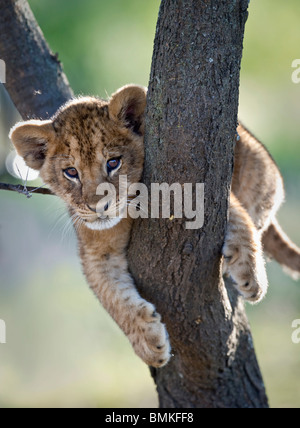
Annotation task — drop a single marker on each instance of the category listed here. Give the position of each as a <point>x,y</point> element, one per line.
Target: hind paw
<point>245,265</point>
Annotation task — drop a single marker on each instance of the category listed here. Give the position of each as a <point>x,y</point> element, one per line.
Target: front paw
<point>149,337</point>
<point>246,266</point>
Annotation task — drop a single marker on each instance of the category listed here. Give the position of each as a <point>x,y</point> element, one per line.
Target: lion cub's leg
<point>242,250</point>
<point>108,277</point>
<point>137,318</point>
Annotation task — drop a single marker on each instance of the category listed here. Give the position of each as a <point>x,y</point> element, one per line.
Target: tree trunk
<point>190,132</point>
<point>191,120</point>
<point>34,77</point>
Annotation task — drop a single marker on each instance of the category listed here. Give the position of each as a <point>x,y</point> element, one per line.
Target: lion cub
<point>90,141</point>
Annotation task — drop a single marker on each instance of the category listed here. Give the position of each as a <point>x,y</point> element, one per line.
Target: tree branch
<point>35,80</point>
<point>34,77</point>
<point>24,190</point>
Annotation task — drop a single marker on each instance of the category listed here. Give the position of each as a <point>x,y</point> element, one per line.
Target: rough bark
<point>34,77</point>
<point>191,119</point>
<point>190,132</point>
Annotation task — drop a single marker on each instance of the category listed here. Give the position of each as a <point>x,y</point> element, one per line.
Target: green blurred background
<point>62,349</point>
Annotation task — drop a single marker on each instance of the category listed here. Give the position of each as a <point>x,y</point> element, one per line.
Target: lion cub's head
<point>87,143</point>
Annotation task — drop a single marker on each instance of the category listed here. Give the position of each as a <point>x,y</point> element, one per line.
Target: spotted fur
<point>84,134</point>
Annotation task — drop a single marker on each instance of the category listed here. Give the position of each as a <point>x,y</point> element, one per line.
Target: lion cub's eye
<point>113,164</point>
<point>71,173</point>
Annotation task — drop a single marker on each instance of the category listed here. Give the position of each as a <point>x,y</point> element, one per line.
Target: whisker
<point>70,225</point>
<point>66,229</point>
<point>78,222</point>
<point>136,204</point>
<point>60,217</point>
<point>55,207</point>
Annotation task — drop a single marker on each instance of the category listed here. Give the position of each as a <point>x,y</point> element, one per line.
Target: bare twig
<point>27,191</point>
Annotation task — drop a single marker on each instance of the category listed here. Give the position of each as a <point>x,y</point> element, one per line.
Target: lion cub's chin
<point>103,224</point>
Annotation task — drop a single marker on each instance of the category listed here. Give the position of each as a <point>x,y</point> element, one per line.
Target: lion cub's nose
<point>95,209</point>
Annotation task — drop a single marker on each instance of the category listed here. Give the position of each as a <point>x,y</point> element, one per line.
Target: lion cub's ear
<point>127,106</point>
<point>31,139</point>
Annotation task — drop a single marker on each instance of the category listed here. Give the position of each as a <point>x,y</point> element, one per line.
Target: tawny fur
<point>86,133</point>
<point>257,194</point>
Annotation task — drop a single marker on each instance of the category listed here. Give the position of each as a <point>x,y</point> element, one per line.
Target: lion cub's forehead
<point>85,116</point>
<point>84,128</point>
